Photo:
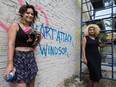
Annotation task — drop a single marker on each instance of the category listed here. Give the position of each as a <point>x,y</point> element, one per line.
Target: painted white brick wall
<point>62,18</point>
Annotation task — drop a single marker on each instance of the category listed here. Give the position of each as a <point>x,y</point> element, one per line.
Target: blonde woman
<point>90,52</point>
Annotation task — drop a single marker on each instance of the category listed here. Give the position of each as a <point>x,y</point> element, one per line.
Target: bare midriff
<point>23,48</point>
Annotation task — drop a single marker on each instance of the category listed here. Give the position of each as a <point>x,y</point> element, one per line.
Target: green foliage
<point>70,80</point>
<point>103,37</point>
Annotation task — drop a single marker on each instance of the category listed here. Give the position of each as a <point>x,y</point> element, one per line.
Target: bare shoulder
<point>14,26</point>
<point>84,38</point>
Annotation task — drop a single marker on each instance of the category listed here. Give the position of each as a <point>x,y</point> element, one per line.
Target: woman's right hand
<point>85,61</point>
<point>8,69</point>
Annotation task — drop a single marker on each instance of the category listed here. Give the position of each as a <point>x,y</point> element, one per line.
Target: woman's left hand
<point>38,36</point>
<point>37,39</point>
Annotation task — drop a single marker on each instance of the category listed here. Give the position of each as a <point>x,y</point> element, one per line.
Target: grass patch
<point>69,81</point>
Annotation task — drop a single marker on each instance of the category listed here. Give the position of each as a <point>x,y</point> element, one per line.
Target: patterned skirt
<point>26,67</point>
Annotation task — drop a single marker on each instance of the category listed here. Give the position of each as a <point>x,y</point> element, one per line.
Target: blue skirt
<point>26,67</point>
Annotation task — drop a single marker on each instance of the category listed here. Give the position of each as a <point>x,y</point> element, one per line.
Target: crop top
<point>21,39</point>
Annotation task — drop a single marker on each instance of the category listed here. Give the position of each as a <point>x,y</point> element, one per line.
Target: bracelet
<point>10,61</point>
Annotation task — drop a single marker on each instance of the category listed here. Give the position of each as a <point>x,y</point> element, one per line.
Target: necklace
<point>93,38</point>
<point>25,24</point>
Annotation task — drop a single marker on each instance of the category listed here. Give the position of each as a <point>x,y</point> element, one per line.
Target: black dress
<point>93,58</point>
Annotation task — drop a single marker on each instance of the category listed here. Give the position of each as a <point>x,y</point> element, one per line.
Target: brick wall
<point>57,54</point>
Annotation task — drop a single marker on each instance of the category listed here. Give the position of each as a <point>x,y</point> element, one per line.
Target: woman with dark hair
<point>20,48</point>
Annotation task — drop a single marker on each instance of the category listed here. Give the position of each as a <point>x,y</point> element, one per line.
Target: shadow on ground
<point>74,82</point>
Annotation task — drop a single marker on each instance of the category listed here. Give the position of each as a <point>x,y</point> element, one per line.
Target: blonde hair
<point>96,27</point>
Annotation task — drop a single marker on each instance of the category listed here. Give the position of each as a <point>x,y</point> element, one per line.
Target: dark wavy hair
<point>24,8</point>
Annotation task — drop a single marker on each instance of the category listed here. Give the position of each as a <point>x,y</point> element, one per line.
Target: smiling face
<point>28,16</point>
<point>91,31</point>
